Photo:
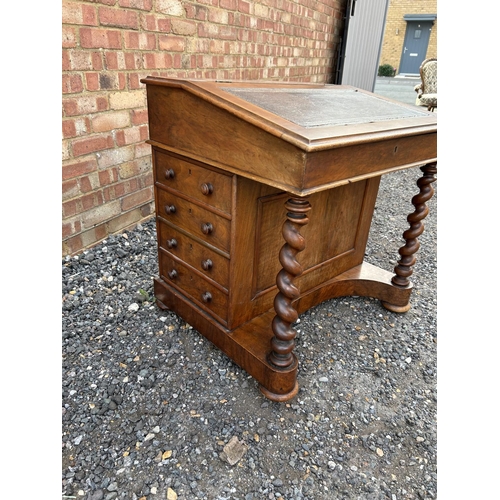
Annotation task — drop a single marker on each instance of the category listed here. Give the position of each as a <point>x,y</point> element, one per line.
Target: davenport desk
<point>248,176</point>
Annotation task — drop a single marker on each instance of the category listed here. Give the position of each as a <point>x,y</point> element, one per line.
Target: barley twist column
<point>283,342</point>
<point>404,268</point>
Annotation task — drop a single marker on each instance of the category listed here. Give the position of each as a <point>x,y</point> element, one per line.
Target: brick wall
<point>395,29</point>
<point>109,45</point>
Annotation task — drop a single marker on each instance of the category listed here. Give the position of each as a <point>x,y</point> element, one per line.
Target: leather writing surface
<point>324,107</point>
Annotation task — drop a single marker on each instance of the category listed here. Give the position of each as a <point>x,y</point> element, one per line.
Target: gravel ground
<point>149,406</point>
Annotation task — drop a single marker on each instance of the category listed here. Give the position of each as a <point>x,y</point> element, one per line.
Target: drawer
<point>197,255</point>
<point>205,294</point>
<point>198,221</point>
<point>203,184</point>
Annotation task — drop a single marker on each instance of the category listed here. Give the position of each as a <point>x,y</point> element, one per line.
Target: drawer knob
<point>207,228</point>
<point>207,188</point>
<point>206,297</point>
<point>170,209</point>
<point>169,174</point>
<point>172,274</point>
<point>207,264</point>
<point>172,243</point>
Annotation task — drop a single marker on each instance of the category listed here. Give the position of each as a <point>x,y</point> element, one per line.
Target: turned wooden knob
<point>172,243</point>
<point>207,228</point>
<point>207,264</point>
<point>206,297</point>
<point>207,188</point>
<point>169,174</point>
<point>172,274</point>
<point>170,209</point>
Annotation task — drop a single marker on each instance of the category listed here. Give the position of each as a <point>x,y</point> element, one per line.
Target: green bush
<point>386,70</point>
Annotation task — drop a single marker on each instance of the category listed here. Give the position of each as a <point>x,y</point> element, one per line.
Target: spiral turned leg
<point>283,342</point>
<point>403,270</point>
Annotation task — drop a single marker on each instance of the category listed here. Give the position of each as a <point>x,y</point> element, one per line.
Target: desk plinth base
<point>249,344</point>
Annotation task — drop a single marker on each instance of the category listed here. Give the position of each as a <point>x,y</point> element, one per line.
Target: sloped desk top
<point>301,138</point>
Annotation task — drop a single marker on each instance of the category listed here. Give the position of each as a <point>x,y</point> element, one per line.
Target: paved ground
<point>398,88</point>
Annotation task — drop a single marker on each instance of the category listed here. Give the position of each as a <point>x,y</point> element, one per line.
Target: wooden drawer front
<point>206,295</point>
<point>202,258</point>
<point>198,221</point>
<point>204,184</point>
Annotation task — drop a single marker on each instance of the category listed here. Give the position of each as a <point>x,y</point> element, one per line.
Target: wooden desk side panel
<point>365,160</point>
<point>201,130</point>
<point>336,237</point>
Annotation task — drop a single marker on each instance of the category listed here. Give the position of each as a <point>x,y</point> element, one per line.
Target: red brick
<point>131,135</point>
<point>183,27</point>
<point>119,18</point>
<point>89,183</point>
<point>89,15</point>
<point>70,189</point>
<point>244,6</point>
<point>115,191</point>
<point>143,41</point>
<point>71,84</point>
<point>72,246</point>
<point>134,82</point>
<point>71,228</point>
<point>69,208</point>
<point>78,168</point>
<point>139,116</point>
<point>172,43</point>
<point>92,81</point>
<point>137,199</point>
<point>78,13</point>
<point>68,37</point>
<point>71,13</point>
<point>68,128</point>
<point>177,61</point>
<point>97,64</point>
<point>228,4</point>
<point>100,38</point>
<point>79,60</point>
<point>111,60</point>
<point>92,144</point>
<point>164,25</point>
<point>104,122</point>
<point>85,185</point>
<point>132,61</point>
<point>108,176</point>
<point>157,61</point>
<point>75,127</point>
<point>84,105</point>
<point>89,201</point>
<point>137,4</point>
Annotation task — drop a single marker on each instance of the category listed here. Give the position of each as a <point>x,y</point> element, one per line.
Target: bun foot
<point>396,309</point>
<point>280,397</point>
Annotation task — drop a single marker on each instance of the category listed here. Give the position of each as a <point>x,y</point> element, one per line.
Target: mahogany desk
<point>249,175</point>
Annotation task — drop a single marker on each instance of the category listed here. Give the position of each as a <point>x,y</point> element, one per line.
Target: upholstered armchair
<point>427,90</point>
